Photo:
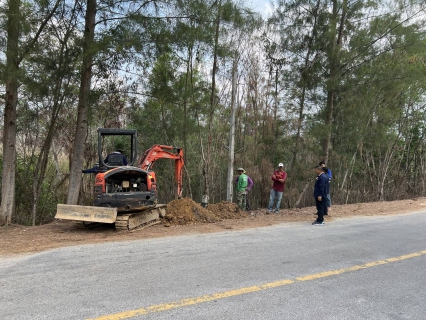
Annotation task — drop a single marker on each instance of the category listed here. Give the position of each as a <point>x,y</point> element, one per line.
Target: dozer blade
<point>86,213</point>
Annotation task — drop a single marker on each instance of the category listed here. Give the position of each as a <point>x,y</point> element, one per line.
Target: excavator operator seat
<point>115,160</point>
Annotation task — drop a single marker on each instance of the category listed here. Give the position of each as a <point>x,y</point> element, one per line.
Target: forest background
<point>340,81</point>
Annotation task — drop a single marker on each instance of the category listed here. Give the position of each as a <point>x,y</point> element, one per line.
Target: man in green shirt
<point>244,184</point>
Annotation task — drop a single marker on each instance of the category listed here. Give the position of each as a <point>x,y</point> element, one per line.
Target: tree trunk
<point>230,183</point>
<point>83,105</point>
<point>13,61</point>
<point>384,169</point>
<point>336,37</point>
<point>299,127</point>
<point>9,128</point>
<point>328,124</point>
<point>301,195</point>
<point>305,75</point>
<point>207,158</point>
<point>275,123</point>
<point>188,88</point>
<point>43,157</point>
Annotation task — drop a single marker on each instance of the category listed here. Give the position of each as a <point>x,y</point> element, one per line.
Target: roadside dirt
<point>183,217</point>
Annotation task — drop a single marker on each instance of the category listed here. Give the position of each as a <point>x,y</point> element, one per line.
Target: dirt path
<point>185,218</point>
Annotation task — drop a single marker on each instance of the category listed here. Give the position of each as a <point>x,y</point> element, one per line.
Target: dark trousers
<point>321,209</point>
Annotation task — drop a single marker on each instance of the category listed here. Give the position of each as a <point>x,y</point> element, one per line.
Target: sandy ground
<point>185,217</point>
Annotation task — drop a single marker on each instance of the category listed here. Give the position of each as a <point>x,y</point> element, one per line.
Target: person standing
<point>279,177</point>
<point>244,184</point>
<point>327,190</point>
<point>250,185</point>
<point>320,195</point>
<point>329,175</point>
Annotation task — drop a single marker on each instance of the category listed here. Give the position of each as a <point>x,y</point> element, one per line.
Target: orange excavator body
<point>127,195</point>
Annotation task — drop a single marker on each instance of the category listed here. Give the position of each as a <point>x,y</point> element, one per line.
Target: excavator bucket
<point>86,213</point>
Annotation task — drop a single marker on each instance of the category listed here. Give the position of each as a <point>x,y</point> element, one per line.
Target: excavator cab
<point>116,160</point>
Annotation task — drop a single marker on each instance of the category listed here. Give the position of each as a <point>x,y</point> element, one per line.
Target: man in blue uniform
<point>330,175</point>
<point>320,195</point>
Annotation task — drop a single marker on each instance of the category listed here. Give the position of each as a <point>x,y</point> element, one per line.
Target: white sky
<point>264,7</point>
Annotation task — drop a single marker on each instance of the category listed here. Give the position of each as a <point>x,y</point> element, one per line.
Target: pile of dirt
<point>227,210</point>
<point>186,212</point>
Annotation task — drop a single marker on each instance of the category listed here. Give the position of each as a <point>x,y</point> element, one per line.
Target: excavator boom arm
<point>159,151</point>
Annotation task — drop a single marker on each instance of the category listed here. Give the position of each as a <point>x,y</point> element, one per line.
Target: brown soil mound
<point>186,212</point>
<point>227,210</point>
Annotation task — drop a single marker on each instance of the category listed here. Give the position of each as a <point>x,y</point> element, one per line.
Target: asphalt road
<point>357,268</point>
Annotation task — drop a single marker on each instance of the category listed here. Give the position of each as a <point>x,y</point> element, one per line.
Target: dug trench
<point>183,217</point>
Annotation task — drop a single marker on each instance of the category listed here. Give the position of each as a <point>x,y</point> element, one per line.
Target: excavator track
<point>140,219</point>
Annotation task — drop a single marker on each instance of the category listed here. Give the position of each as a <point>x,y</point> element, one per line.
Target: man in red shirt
<point>279,177</point>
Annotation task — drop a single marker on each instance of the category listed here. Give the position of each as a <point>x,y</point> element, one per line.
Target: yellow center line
<point>237,292</point>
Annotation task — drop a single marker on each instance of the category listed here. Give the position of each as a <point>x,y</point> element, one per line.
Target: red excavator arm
<point>159,151</point>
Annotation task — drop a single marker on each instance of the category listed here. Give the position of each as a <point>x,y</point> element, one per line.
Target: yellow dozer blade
<point>86,213</point>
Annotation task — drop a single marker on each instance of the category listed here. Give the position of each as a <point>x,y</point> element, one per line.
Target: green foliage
<point>378,81</point>
<point>153,72</point>
<point>48,197</point>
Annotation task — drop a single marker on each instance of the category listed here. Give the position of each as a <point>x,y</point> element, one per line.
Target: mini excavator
<point>126,195</point>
